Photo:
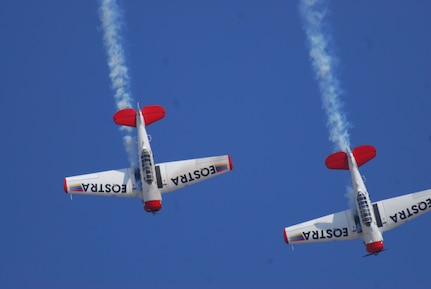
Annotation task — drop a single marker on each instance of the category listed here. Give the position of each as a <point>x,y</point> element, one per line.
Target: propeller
<point>375,253</point>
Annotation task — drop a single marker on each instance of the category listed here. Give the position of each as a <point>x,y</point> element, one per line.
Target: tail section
<point>151,113</point>
<point>339,161</point>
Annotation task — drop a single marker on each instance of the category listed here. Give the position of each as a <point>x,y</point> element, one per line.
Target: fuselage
<point>371,234</point>
<point>150,194</point>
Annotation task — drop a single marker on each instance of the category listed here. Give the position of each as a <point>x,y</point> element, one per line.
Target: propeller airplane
<point>149,180</point>
<point>366,220</point>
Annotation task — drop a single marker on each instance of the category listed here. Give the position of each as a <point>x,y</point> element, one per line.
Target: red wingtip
<point>230,163</point>
<point>65,186</point>
<point>286,239</point>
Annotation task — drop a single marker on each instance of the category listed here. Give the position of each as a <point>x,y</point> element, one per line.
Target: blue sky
<point>235,78</point>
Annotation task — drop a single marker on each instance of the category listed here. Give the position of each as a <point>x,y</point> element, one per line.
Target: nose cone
<point>375,247</point>
<point>152,206</point>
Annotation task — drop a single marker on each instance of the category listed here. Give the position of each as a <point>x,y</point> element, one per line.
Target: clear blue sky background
<point>234,77</point>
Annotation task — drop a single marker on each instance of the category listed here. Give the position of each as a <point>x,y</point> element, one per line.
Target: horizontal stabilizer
<point>151,113</point>
<point>337,161</point>
<point>126,117</point>
<point>362,154</point>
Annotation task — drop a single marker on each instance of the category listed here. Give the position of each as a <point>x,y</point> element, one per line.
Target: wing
<point>119,183</point>
<point>334,227</point>
<point>175,175</point>
<point>391,213</point>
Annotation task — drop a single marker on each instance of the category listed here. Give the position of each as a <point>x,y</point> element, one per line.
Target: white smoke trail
<point>324,63</point>
<point>110,16</point>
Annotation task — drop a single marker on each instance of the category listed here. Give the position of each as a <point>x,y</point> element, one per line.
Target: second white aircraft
<point>367,220</point>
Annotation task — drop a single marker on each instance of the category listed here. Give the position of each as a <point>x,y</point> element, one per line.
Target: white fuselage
<point>370,232</point>
<point>149,191</point>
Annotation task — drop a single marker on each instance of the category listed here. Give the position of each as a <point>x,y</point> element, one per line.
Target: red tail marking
<point>151,113</point>
<point>337,161</point>
<point>362,154</point>
<point>125,117</point>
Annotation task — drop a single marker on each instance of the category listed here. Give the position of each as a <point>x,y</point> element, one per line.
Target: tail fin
<point>151,113</point>
<point>362,154</point>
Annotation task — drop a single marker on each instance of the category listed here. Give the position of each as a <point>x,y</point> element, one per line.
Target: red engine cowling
<point>153,206</point>
<point>375,247</point>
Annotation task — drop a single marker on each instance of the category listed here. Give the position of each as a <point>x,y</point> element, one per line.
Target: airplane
<point>149,180</point>
<point>367,220</point>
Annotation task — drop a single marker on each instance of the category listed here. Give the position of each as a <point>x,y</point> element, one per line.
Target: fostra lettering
<point>413,210</point>
<point>105,188</point>
<point>326,234</point>
<point>195,175</point>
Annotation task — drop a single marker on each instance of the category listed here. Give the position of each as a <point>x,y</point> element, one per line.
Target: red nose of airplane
<point>374,247</point>
<point>152,206</point>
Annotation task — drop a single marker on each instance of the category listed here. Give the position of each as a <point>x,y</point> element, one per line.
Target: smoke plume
<point>324,62</point>
<point>111,19</point>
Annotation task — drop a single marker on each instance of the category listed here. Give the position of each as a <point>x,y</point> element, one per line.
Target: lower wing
<point>391,213</point>
<point>119,183</point>
<point>333,227</point>
<point>175,175</point>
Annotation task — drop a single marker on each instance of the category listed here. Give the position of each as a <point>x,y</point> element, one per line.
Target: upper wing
<point>120,183</point>
<point>391,213</point>
<point>175,175</point>
<point>334,227</point>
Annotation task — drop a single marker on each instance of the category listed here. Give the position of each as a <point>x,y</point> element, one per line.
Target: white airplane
<point>367,220</point>
<point>149,180</point>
